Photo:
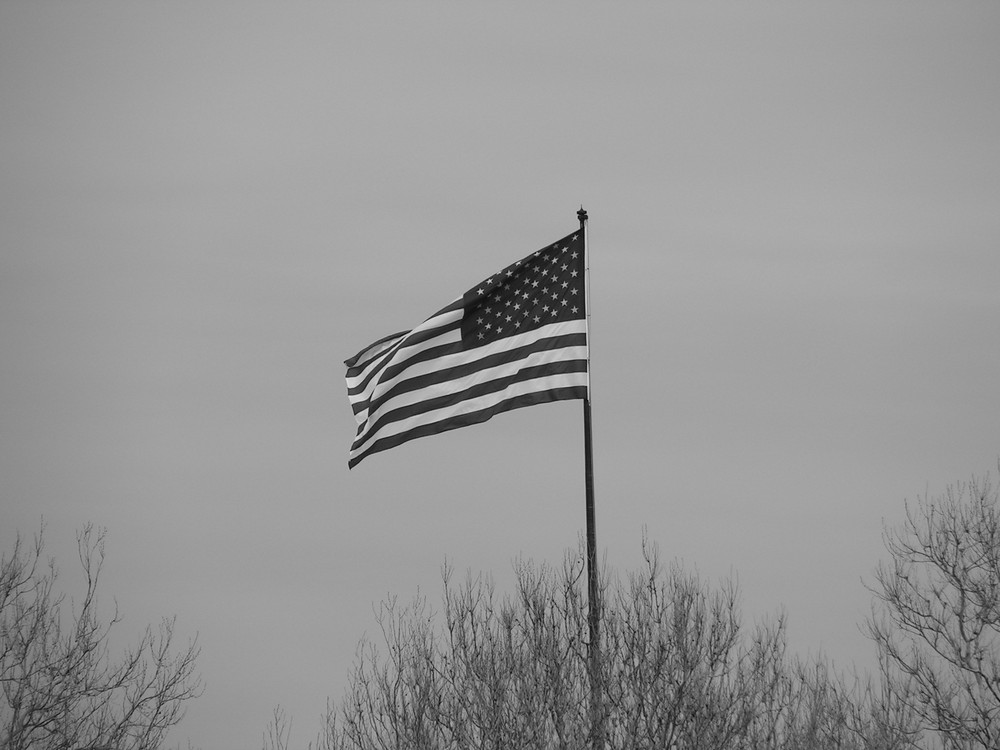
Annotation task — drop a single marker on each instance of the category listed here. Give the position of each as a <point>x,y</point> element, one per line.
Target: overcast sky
<point>206,207</point>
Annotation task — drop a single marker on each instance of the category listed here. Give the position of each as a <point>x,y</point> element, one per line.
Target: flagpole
<point>593,592</point>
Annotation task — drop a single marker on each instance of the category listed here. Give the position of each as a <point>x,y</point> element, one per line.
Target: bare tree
<point>937,620</point>
<point>499,673</point>
<point>678,670</point>
<point>882,717</point>
<point>59,686</point>
<point>278,730</point>
<point>688,675</point>
<point>677,661</point>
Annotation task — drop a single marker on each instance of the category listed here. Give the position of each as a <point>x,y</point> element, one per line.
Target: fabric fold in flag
<point>518,338</point>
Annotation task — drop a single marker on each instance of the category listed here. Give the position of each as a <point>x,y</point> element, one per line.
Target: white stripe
<point>473,355</point>
<point>362,396</point>
<point>379,386</point>
<point>486,401</point>
<point>405,352</point>
<point>376,384</point>
<point>402,354</point>
<point>375,350</point>
<point>457,385</point>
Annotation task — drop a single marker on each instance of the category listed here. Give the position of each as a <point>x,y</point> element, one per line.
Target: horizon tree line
<point>677,668</point>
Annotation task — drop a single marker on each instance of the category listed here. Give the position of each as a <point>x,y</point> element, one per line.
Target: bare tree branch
<point>59,686</point>
<point>936,622</point>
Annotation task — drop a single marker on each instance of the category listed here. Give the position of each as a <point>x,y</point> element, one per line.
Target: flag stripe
<point>360,394</point>
<point>410,345</point>
<point>453,361</point>
<point>362,358</point>
<point>372,364</point>
<point>465,419</point>
<point>453,355</point>
<point>485,368</point>
<point>361,400</point>
<point>436,396</point>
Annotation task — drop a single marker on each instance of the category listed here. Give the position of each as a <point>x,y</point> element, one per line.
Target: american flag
<point>516,339</point>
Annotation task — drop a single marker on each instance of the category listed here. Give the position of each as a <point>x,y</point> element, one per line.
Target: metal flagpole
<point>593,593</point>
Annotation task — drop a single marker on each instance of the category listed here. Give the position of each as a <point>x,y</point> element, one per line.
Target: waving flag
<point>517,339</point>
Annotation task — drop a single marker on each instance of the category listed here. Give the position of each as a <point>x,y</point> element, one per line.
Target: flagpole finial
<point>581,215</point>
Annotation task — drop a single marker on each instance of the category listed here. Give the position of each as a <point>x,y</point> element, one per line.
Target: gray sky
<point>206,207</point>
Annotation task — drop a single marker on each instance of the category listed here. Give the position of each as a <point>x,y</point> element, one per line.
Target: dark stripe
<point>354,370</point>
<point>464,420</point>
<point>386,357</point>
<point>445,374</point>
<point>428,354</point>
<point>418,336</point>
<point>389,369</point>
<point>481,389</point>
<point>457,371</point>
<point>410,340</point>
<point>353,361</point>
